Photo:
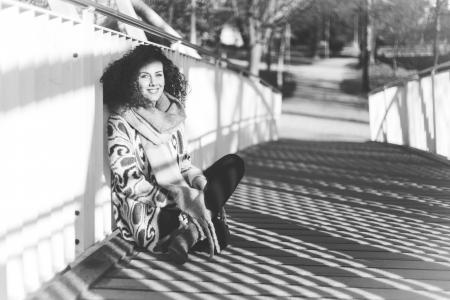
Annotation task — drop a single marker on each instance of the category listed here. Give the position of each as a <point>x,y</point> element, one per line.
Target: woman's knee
<point>236,161</point>
<point>228,165</point>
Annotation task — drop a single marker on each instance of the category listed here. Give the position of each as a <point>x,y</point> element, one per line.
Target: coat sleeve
<point>190,173</point>
<point>136,200</point>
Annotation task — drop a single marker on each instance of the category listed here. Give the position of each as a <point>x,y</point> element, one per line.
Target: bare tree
<point>436,28</point>
<point>255,19</point>
<point>400,23</point>
<point>264,17</point>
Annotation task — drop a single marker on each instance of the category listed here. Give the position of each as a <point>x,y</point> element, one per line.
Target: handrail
<point>104,10</point>
<point>425,72</point>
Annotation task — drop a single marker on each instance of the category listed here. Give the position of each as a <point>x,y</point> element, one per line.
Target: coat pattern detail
<point>136,196</point>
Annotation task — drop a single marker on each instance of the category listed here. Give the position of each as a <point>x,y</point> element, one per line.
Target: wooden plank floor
<point>315,220</point>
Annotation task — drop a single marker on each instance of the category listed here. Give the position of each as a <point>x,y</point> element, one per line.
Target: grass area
<point>379,75</point>
<point>288,84</point>
<point>288,81</point>
<point>415,62</point>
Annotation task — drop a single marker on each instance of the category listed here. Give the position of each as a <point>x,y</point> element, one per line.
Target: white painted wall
<point>52,121</point>
<point>416,114</point>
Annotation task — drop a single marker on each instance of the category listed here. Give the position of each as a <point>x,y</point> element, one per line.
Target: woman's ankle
<point>182,243</point>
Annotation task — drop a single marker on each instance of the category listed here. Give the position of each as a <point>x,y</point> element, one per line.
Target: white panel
<point>201,102</point>
<point>230,98</point>
<point>428,135</point>
<point>393,117</point>
<point>442,84</point>
<point>376,114</point>
<point>415,114</point>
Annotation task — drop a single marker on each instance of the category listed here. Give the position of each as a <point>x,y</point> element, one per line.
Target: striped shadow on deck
<point>315,220</point>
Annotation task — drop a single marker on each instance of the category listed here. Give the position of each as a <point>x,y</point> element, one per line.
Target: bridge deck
<point>315,220</point>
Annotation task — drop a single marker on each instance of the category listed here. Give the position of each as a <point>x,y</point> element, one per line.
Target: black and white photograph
<point>224,149</point>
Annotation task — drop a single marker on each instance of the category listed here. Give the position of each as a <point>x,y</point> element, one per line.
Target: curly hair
<point>120,78</point>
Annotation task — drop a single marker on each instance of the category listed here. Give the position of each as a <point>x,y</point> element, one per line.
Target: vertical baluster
<point>433,99</point>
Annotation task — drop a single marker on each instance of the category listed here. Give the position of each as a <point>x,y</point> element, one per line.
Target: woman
<point>161,202</point>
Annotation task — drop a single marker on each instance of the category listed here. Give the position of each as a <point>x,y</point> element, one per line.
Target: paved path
<point>319,110</point>
<point>336,220</point>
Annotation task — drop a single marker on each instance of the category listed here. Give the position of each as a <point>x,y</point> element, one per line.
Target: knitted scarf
<point>155,128</point>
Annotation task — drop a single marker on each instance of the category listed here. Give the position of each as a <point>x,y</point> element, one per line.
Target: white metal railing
<point>414,112</point>
<point>148,28</point>
<point>55,174</point>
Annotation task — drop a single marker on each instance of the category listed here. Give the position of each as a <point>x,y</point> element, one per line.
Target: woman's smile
<point>153,90</point>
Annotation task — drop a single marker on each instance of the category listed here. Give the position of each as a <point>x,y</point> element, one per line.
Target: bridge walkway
<point>341,220</point>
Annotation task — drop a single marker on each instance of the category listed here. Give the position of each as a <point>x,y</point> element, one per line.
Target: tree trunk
<point>365,54</point>
<point>356,31</point>
<point>255,57</point>
<point>281,59</point>
<point>171,9</point>
<point>255,45</point>
<point>394,59</point>
<point>258,35</point>
<point>436,29</point>
<point>193,36</point>
<point>326,35</point>
<point>288,43</point>
<point>269,52</point>
<point>316,38</point>
<point>371,39</point>
<point>240,23</point>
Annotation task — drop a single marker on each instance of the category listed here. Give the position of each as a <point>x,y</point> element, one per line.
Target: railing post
<point>433,99</point>
<point>404,123</point>
<point>386,107</point>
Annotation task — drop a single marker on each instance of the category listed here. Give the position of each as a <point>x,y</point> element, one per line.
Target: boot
<point>182,243</point>
<point>222,232</point>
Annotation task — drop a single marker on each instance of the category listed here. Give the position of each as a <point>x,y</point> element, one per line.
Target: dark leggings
<point>223,177</point>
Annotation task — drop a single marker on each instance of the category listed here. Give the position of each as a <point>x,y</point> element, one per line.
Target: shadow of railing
<point>311,220</point>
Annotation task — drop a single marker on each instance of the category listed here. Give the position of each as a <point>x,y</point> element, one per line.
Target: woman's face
<point>151,81</point>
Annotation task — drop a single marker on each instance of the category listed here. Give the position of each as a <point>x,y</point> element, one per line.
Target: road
<point>318,109</point>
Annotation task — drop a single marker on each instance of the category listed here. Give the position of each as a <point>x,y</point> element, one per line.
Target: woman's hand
<point>191,201</point>
<point>199,183</point>
<point>182,195</point>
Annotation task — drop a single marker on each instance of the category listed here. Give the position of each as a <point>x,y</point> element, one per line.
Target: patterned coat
<point>137,198</point>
